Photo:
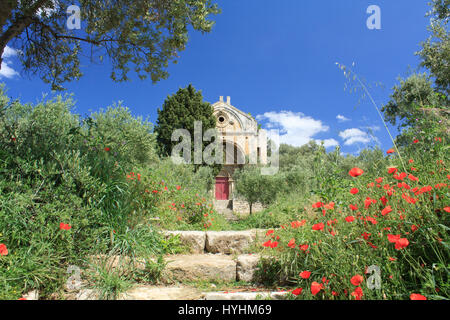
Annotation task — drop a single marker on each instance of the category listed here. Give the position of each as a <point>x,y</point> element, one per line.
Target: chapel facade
<point>243,142</point>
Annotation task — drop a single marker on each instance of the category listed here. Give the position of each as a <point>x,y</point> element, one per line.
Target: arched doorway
<point>233,157</point>
<point>222,188</point>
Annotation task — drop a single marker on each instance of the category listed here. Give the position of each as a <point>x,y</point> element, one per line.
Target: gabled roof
<point>238,114</point>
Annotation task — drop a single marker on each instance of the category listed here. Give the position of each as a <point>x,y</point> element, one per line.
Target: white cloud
<point>295,128</point>
<point>342,118</point>
<point>49,10</point>
<point>5,70</point>
<point>9,52</point>
<point>354,135</point>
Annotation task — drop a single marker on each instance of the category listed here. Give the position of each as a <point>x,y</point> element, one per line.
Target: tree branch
<point>17,26</point>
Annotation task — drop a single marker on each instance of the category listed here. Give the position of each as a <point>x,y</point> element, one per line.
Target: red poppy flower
<point>401,243</point>
<point>355,172</point>
<point>318,226</point>
<point>414,228</point>
<point>393,238</point>
<point>392,170</point>
<point>368,202</point>
<point>409,199</point>
<point>274,244</point>
<point>3,249</point>
<point>297,224</point>
<point>425,189</point>
<point>291,243</point>
<point>371,219</point>
<point>386,210</point>
<point>401,176</point>
<point>416,296</point>
<point>317,205</point>
<point>267,243</point>
<point>64,226</point>
<point>415,141</point>
<point>447,209</point>
<point>354,190</point>
<point>269,232</point>
<point>357,293</point>
<point>356,280</point>
<point>413,178</point>
<point>305,274</point>
<point>390,151</point>
<point>315,288</point>
<point>178,187</point>
<point>353,207</point>
<point>366,235</point>
<point>107,149</point>
<point>392,259</point>
<point>350,218</point>
<point>329,206</point>
<point>303,247</point>
<point>297,291</point>
<point>372,245</point>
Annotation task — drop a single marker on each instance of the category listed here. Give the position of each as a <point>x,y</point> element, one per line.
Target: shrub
<point>397,222</point>
<point>64,192</point>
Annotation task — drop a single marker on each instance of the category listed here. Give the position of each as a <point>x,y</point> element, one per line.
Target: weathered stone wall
<point>237,206</point>
<point>242,207</point>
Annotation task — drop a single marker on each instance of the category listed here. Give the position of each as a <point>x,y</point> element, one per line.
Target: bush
<point>399,223</point>
<point>64,191</point>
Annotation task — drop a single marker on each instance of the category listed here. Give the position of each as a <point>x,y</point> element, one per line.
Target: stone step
<point>245,295</point>
<point>229,215</point>
<point>246,265</point>
<point>195,240</point>
<point>188,268</point>
<point>227,242</point>
<point>200,267</point>
<point>211,267</point>
<point>146,292</point>
<point>181,267</point>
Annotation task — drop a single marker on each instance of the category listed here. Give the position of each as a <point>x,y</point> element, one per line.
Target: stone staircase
<point>215,257</point>
<point>225,207</point>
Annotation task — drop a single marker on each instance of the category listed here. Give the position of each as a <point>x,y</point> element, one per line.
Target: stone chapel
<point>242,142</point>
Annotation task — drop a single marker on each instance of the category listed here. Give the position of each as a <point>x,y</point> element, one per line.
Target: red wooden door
<point>222,188</point>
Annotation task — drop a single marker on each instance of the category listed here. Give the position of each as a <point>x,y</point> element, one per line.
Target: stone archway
<point>234,158</point>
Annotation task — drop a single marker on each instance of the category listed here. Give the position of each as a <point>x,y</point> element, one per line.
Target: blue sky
<point>276,59</point>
